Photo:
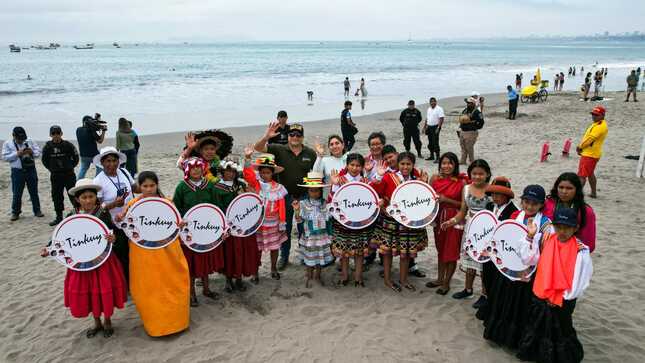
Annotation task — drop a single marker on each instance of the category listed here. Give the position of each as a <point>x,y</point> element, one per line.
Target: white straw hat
<point>84,184</point>
<point>109,150</point>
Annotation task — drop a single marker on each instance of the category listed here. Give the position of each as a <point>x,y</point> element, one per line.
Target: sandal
<point>342,283</point>
<point>432,284</point>
<point>108,332</point>
<point>395,287</point>
<point>194,302</point>
<point>91,333</point>
<point>409,286</point>
<point>441,291</point>
<point>229,287</point>
<point>255,280</point>
<point>239,285</point>
<point>359,283</point>
<point>275,275</point>
<point>210,294</point>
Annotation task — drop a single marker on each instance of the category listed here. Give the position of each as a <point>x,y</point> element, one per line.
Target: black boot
<point>59,218</point>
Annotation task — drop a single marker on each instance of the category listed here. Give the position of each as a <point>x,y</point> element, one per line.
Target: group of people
<point>295,183</point>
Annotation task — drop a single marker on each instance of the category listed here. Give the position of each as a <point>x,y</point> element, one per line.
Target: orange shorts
<point>586,166</point>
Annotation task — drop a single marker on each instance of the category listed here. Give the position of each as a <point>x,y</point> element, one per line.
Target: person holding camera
<point>60,157</point>
<point>89,136</point>
<point>20,153</point>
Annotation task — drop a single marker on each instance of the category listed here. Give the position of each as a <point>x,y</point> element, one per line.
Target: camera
<point>95,124</point>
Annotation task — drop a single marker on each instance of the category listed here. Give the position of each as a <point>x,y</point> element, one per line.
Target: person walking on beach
<point>348,127</point>
<point>20,153</point>
<point>561,81</point>
<point>347,87</point>
<point>556,82</point>
<point>518,81</point>
<point>432,128</point>
<point>632,85</point>
<point>410,119</point>
<point>283,130</point>
<point>513,97</point>
<point>60,157</point>
<point>88,138</point>
<point>297,159</point>
<point>590,148</point>
<point>470,121</point>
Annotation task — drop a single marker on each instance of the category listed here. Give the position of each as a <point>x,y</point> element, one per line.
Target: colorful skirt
<point>350,242</point>
<point>270,237</point>
<point>97,291</point>
<point>202,264</point>
<point>241,257</point>
<point>447,242</point>
<point>315,250</point>
<point>549,336</point>
<point>397,240</point>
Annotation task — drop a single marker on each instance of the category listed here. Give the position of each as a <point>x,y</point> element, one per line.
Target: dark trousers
<point>512,108</point>
<point>131,163</point>
<point>348,139</point>
<point>20,178</point>
<point>61,182</point>
<point>285,248</point>
<point>433,139</point>
<point>411,133</point>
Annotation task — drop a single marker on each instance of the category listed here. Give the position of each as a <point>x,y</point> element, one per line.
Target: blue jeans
<point>86,162</point>
<point>285,249</point>
<point>20,177</point>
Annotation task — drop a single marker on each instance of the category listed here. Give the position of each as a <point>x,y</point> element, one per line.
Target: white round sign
<point>504,250</point>
<point>479,233</point>
<point>414,204</point>
<point>355,205</point>
<point>80,243</point>
<point>205,228</point>
<point>245,214</point>
<point>151,223</point>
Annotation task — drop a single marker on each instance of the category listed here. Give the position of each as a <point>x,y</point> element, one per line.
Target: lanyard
<point>117,180</point>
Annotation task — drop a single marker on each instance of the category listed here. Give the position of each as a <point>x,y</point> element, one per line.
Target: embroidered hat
<point>501,185</point>
<point>267,161</point>
<point>534,193</point>
<point>192,163</point>
<point>565,216</point>
<point>313,179</point>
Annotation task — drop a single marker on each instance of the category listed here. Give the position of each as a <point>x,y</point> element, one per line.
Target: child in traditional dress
<point>315,242</point>
<point>563,272</point>
<point>273,232</point>
<point>210,145</point>
<point>100,290</point>
<point>347,242</point>
<point>159,278</point>
<point>193,190</point>
<point>241,255</point>
<point>393,238</point>
<point>509,307</point>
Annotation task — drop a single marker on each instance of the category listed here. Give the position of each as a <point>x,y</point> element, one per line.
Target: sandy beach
<point>282,321</point>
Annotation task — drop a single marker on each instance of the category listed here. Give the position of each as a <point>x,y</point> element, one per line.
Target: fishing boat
<point>86,46</point>
<point>14,49</point>
<point>116,45</point>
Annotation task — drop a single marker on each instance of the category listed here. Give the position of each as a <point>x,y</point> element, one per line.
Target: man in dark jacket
<point>60,157</point>
<point>410,119</point>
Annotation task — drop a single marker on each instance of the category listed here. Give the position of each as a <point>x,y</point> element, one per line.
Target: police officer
<point>60,157</point>
<point>410,119</point>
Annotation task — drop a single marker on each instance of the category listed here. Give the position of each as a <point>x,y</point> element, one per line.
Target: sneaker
<point>480,302</point>
<point>14,217</point>
<point>55,222</point>
<point>463,294</point>
<point>39,214</point>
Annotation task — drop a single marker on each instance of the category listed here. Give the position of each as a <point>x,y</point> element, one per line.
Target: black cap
<point>535,193</point>
<point>19,132</point>
<point>410,102</point>
<point>297,128</point>
<point>565,216</point>
<point>55,129</point>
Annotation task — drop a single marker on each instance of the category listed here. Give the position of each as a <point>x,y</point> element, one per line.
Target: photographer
<point>20,153</point>
<point>89,136</point>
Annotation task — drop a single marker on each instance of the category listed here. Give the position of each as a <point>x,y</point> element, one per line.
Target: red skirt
<point>202,264</point>
<point>448,242</point>
<point>97,291</point>
<point>241,257</point>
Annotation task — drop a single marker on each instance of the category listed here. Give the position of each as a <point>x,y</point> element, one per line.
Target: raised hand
<point>369,166</point>
<point>381,169</point>
<point>248,152</point>
<point>191,141</point>
<point>319,148</point>
<point>272,130</point>
<point>334,178</point>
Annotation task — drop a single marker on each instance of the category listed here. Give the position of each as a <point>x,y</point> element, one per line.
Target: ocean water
<point>175,87</point>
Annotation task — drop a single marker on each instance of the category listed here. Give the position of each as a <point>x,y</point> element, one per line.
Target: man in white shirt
<point>432,128</point>
<point>20,153</point>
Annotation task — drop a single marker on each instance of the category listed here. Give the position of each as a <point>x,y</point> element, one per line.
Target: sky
<point>82,21</point>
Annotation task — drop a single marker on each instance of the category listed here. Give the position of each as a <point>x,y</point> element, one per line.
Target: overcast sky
<point>204,20</point>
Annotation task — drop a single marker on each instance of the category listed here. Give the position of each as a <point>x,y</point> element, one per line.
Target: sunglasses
<point>55,133</point>
<point>295,134</point>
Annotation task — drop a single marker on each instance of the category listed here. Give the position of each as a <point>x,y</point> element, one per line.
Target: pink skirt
<point>97,291</point>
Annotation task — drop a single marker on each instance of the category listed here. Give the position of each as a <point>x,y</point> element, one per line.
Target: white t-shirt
<point>110,185</point>
<point>434,114</point>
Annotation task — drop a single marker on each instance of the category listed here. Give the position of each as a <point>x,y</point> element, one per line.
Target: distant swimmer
<point>29,77</point>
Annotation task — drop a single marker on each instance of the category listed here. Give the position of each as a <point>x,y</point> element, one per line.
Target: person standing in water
<point>347,86</point>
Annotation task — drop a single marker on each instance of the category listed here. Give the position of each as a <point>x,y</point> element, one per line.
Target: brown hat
<point>501,185</point>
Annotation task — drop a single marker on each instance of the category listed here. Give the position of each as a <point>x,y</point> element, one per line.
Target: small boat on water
<point>14,49</point>
<point>116,45</point>
<point>86,46</point>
